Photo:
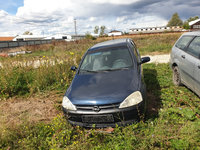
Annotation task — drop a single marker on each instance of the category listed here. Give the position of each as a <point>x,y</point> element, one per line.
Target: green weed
<point>23,79</point>
<point>176,125</point>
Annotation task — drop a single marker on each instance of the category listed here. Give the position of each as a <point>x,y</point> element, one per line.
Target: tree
<point>186,23</point>
<point>193,18</point>
<point>102,30</point>
<point>96,29</point>
<point>89,36</point>
<point>27,33</point>
<point>175,21</point>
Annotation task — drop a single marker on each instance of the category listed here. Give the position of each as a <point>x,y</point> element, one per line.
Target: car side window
<point>135,52</point>
<point>194,47</point>
<point>183,42</point>
<point>137,56</point>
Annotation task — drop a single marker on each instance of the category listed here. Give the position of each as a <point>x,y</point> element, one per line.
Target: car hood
<point>102,88</point>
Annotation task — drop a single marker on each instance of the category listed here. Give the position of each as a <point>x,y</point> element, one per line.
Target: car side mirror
<point>73,68</point>
<point>145,59</point>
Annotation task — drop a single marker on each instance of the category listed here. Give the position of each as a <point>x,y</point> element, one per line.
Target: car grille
<point>96,108</point>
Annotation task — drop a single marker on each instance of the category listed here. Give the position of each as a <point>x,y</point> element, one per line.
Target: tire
<point>176,76</point>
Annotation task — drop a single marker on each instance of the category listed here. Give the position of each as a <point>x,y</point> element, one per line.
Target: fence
<point>12,44</point>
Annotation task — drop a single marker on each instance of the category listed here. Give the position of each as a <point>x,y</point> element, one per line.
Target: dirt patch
<point>16,111</point>
<point>16,49</point>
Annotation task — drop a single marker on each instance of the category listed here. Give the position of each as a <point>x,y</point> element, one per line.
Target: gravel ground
<point>159,58</point>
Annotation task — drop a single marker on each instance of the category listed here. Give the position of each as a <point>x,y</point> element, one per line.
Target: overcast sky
<point>46,17</point>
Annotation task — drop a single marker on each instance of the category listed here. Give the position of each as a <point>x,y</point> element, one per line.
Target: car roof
<point>194,33</point>
<point>110,43</point>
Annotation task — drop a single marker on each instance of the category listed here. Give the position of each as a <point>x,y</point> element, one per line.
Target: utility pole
<point>75,26</point>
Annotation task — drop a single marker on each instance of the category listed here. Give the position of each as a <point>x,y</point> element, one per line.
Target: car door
<point>186,65</point>
<point>197,76</point>
<point>194,50</point>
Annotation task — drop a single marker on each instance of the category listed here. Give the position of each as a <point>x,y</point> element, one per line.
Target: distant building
<point>6,38</point>
<point>195,25</point>
<point>65,37</point>
<point>28,37</point>
<point>77,37</point>
<point>95,35</point>
<point>114,33</point>
<point>154,29</point>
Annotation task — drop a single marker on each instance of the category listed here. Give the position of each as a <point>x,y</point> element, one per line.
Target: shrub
<point>90,37</point>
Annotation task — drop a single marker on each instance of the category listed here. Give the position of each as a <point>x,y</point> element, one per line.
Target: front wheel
<point>176,76</point>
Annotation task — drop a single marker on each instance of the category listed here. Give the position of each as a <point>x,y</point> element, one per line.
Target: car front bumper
<point>105,117</point>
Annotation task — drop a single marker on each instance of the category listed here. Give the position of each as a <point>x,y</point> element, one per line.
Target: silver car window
<point>194,47</point>
<point>183,42</point>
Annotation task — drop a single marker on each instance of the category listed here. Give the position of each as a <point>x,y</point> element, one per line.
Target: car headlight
<point>66,103</point>
<point>133,99</point>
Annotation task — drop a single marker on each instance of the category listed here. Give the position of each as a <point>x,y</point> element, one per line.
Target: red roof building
<point>6,38</point>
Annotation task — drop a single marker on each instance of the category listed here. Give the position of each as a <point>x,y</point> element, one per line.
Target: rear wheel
<point>176,76</point>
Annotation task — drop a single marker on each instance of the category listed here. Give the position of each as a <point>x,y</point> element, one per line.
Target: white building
<point>65,37</point>
<point>95,35</point>
<point>114,33</point>
<point>154,29</point>
<point>28,37</point>
<point>195,25</point>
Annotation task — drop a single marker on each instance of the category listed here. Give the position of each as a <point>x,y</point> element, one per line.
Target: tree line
<point>176,21</point>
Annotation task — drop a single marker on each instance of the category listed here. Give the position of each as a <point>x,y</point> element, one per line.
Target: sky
<point>49,17</point>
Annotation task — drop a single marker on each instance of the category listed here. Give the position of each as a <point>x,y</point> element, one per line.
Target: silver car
<point>185,61</point>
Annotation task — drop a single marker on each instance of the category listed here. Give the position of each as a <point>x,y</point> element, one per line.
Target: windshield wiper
<point>89,71</point>
<point>96,71</point>
<point>115,69</point>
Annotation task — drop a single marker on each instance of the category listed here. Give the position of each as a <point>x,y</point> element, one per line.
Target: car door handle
<point>183,56</point>
<point>199,67</point>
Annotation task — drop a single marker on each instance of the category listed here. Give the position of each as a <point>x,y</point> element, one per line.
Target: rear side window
<point>194,47</point>
<point>183,42</point>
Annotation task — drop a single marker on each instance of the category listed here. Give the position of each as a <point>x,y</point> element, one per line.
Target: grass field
<point>19,76</point>
<point>147,44</point>
<point>173,114</point>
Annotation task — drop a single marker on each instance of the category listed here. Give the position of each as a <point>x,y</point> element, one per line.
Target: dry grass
<point>17,111</point>
<point>158,43</point>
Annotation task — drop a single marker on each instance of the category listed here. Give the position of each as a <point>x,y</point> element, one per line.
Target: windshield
<point>107,59</point>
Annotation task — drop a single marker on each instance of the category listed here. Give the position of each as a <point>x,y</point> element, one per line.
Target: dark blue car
<point>108,88</point>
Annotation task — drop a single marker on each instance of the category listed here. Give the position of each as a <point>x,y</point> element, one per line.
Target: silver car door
<point>186,66</point>
<point>194,50</point>
<point>197,77</point>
